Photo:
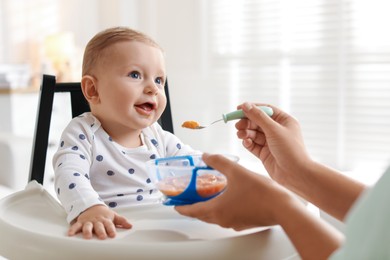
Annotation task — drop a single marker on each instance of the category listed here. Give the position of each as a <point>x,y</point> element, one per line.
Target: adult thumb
<point>220,163</point>
<point>259,117</point>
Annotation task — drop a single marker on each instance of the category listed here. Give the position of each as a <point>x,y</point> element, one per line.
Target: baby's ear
<point>89,88</point>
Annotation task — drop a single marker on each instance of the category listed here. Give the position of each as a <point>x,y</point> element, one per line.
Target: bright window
<point>327,62</point>
<point>23,26</point>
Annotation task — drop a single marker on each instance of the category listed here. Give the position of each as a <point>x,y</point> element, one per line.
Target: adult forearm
<point>328,189</point>
<point>312,237</point>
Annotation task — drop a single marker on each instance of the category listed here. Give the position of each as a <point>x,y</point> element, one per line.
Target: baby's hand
<point>98,220</point>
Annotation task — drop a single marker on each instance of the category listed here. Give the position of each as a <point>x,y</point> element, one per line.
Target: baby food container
<point>186,179</point>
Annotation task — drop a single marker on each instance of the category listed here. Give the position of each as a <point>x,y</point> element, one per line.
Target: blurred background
<point>326,62</point>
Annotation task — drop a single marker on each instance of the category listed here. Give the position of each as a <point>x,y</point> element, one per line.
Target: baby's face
<point>130,82</point>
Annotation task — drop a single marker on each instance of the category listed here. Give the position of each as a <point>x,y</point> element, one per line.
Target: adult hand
<point>250,200</point>
<point>276,141</point>
<point>98,220</point>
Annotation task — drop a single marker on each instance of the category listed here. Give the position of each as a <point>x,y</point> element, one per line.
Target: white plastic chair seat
<point>5,191</point>
<point>33,226</point>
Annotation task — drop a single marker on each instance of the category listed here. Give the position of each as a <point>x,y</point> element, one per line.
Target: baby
<point>100,164</point>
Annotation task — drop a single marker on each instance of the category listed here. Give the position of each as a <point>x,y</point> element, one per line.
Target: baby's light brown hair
<point>94,50</point>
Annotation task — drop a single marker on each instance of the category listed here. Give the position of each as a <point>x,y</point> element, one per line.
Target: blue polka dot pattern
<point>112,204</point>
<point>154,142</point>
<point>105,152</point>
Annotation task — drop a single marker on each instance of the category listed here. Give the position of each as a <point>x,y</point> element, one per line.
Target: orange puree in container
<point>206,185</point>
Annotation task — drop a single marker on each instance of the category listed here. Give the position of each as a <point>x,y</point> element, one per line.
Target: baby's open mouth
<point>146,106</point>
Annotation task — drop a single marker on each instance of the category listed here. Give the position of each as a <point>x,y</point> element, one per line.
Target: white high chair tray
<point>33,226</point>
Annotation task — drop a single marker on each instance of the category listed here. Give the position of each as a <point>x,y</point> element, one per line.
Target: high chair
<point>33,223</point>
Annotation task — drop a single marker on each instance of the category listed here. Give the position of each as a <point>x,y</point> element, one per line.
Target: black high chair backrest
<point>79,105</point>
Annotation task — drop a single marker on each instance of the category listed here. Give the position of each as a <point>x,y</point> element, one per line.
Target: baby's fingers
<point>75,228</point>
<point>122,222</point>
<point>87,230</point>
<point>102,229</point>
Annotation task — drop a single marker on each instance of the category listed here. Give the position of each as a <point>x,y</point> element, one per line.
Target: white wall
<point>178,26</point>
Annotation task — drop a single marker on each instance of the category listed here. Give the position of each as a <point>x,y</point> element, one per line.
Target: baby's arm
<point>87,213</point>
<point>98,220</point>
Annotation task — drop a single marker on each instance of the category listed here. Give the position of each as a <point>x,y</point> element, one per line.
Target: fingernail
<point>248,106</point>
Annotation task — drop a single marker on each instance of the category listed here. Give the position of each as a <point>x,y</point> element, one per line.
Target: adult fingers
<point>220,163</point>
<point>260,118</point>
<point>190,210</point>
<point>200,210</point>
<point>257,137</point>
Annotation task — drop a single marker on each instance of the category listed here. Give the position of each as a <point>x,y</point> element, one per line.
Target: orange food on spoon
<point>190,124</point>
<point>206,185</point>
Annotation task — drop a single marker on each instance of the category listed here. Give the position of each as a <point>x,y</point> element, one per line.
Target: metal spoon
<point>238,114</point>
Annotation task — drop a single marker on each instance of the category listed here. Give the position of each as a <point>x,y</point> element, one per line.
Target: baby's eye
<point>159,80</point>
<point>135,75</point>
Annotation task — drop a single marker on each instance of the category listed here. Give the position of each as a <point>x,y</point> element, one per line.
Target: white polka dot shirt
<point>91,169</point>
